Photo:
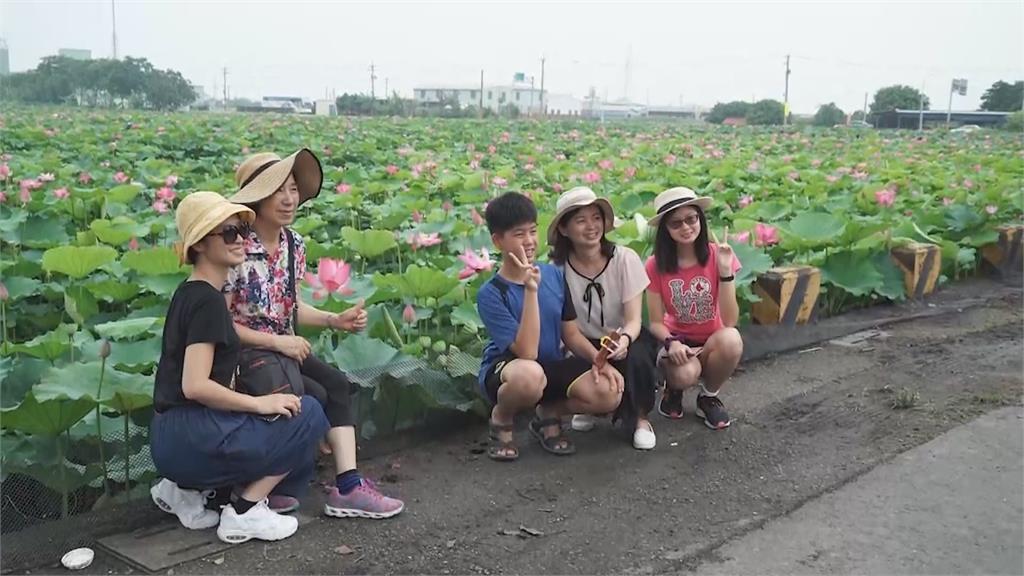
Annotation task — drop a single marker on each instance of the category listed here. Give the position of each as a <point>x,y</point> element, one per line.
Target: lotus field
<point>87,227</point>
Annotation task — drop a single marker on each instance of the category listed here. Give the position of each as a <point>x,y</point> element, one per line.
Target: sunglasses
<point>677,223</point>
<point>232,233</point>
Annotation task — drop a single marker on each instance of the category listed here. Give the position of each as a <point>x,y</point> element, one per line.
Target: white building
<point>495,97</point>
<point>564,105</point>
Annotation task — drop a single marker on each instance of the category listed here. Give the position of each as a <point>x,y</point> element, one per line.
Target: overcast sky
<point>697,53</point>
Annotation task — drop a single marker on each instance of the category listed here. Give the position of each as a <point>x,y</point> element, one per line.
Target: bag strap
<point>292,288</point>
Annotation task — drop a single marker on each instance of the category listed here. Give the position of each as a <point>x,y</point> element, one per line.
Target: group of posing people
<point>565,339</point>
<point>569,338</point>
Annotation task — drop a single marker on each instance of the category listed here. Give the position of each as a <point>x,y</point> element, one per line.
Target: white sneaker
<point>259,522</point>
<point>644,438</point>
<point>583,422</point>
<point>187,505</point>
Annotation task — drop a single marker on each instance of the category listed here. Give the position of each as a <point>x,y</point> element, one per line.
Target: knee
<point>731,343</point>
<point>684,376</point>
<point>606,400</point>
<point>526,378</point>
<point>312,412</point>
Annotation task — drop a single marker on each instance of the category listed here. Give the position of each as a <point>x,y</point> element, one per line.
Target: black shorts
<point>561,375</point>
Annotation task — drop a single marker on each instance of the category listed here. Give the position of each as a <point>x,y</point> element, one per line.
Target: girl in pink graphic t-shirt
<point>691,301</point>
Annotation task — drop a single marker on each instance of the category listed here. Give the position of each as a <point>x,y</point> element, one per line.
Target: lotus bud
<point>105,349</point>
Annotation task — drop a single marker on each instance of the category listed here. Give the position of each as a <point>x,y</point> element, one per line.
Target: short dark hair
<point>191,256</point>
<point>666,254</point>
<point>563,246</point>
<point>509,210</point>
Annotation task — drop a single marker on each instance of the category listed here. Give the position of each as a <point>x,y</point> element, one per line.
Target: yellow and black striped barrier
<point>789,295</point>
<point>1006,256</point>
<point>921,265</point>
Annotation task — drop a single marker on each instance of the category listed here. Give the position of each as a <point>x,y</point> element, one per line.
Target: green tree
<point>766,113</point>
<point>1004,97</point>
<point>897,96</point>
<point>1015,122</point>
<point>723,110</point>
<point>829,115</point>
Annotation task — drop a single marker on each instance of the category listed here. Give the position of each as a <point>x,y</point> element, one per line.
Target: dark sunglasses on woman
<point>232,233</point>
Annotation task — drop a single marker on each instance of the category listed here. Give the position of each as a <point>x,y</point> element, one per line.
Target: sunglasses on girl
<point>231,233</point>
<point>677,223</point>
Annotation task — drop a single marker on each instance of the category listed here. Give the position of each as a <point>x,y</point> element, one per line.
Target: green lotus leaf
<point>368,243</point>
<point>127,329</point>
<point>77,261</point>
<point>152,261</point>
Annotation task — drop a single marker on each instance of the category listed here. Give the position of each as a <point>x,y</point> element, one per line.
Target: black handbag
<point>262,371</point>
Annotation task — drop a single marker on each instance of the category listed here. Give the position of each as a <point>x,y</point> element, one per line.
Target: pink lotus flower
<point>592,177</point>
<point>559,156</point>
<point>630,172</point>
<point>605,164</point>
<point>409,315</point>
<point>478,220</point>
<point>332,277</point>
<point>447,206</point>
<point>404,151</point>
<point>46,177</point>
<point>4,294</point>
<point>133,244</point>
<point>3,197</point>
<point>885,197</point>
<point>557,188</point>
<point>505,136</point>
<point>528,167</point>
<point>474,164</point>
<point>816,162</point>
<point>670,159</point>
<point>160,207</point>
<point>499,182</point>
<point>391,169</point>
<point>120,178</point>
<point>343,188</point>
<point>171,180</point>
<point>753,166</point>
<point>492,149</point>
<point>794,175</point>
<point>740,238</point>
<point>831,178</point>
<point>947,201</point>
<point>968,183</point>
<point>31,184</point>
<point>416,216</point>
<point>787,159</point>
<point>977,167</point>
<point>84,178</point>
<point>61,193</point>
<point>5,171</point>
<point>25,196</point>
<point>991,209</point>
<point>166,194</point>
<point>746,201</point>
<point>475,262</point>
<point>765,235</point>
<point>716,153</point>
<point>418,240</point>
<point>858,175</point>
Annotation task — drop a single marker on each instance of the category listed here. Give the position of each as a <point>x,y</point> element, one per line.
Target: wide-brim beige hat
<point>260,175</point>
<point>674,198</point>
<point>199,213</point>
<point>579,197</point>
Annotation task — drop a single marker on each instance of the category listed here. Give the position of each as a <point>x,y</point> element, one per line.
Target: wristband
<point>668,341</point>
<point>728,278</point>
<point>630,339</point>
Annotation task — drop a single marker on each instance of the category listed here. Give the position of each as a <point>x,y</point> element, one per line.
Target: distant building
<point>5,59</point>
<point>911,118</point>
<point>528,99</point>
<point>593,108</point>
<point>75,53</point>
<point>325,107</point>
<point>563,105</point>
<point>289,103</point>
<point>680,112</point>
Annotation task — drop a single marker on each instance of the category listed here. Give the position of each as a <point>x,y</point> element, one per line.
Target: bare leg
<point>720,357</point>
<point>523,383</point>
<point>342,440</point>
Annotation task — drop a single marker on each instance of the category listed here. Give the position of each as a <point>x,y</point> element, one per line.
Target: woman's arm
<point>656,312</point>
<point>576,342</point>
<point>727,304</point>
<point>632,316</point>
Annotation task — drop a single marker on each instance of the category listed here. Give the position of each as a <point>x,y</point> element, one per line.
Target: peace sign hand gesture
<point>530,272</point>
<point>725,255</point>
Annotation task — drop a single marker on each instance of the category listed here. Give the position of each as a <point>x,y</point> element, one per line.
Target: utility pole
<point>920,109</point>
<point>113,28</point>
<point>480,112</point>
<point>865,118</point>
<point>387,90</point>
<point>373,77</point>
<point>225,72</point>
<point>543,108</point>
<point>785,99</point>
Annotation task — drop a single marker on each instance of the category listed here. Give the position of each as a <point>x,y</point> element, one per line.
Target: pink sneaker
<point>282,504</point>
<point>365,501</point>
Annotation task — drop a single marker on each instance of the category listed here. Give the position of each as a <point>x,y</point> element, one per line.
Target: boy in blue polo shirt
<point>529,315</point>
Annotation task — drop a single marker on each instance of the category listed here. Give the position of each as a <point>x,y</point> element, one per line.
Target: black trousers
<point>331,388</point>
<point>639,374</point>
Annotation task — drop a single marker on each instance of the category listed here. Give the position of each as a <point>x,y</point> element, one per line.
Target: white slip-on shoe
<point>583,422</point>
<point>187,505</point>
<point>259,522</point>
<point>644,438</point>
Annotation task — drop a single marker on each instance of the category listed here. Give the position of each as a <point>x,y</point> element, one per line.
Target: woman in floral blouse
<point>263,300</point>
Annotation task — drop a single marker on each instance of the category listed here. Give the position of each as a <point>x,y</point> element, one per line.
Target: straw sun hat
<point>674,198</point>
<point>199,213</point>
<point>260,175</point>
<point>579,197</point>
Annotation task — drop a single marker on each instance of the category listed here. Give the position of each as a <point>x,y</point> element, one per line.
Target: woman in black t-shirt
<point>205,435</point>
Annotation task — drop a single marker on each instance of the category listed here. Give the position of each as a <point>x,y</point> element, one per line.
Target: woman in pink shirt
<point>691,301</point>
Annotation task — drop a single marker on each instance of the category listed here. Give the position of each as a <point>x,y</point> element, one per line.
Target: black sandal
<point>560,444</point>
<point>501,450</point>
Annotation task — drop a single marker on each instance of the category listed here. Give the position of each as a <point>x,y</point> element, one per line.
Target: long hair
<point>563,245</point>
<point>666,251</point>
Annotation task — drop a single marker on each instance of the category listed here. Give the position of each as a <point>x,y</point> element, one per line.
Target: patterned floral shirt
<point>259,287</point>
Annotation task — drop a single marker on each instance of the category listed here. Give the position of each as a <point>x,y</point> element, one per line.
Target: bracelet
<point>668,341</point>
<point>629,337</point>
<point>728,278</point>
